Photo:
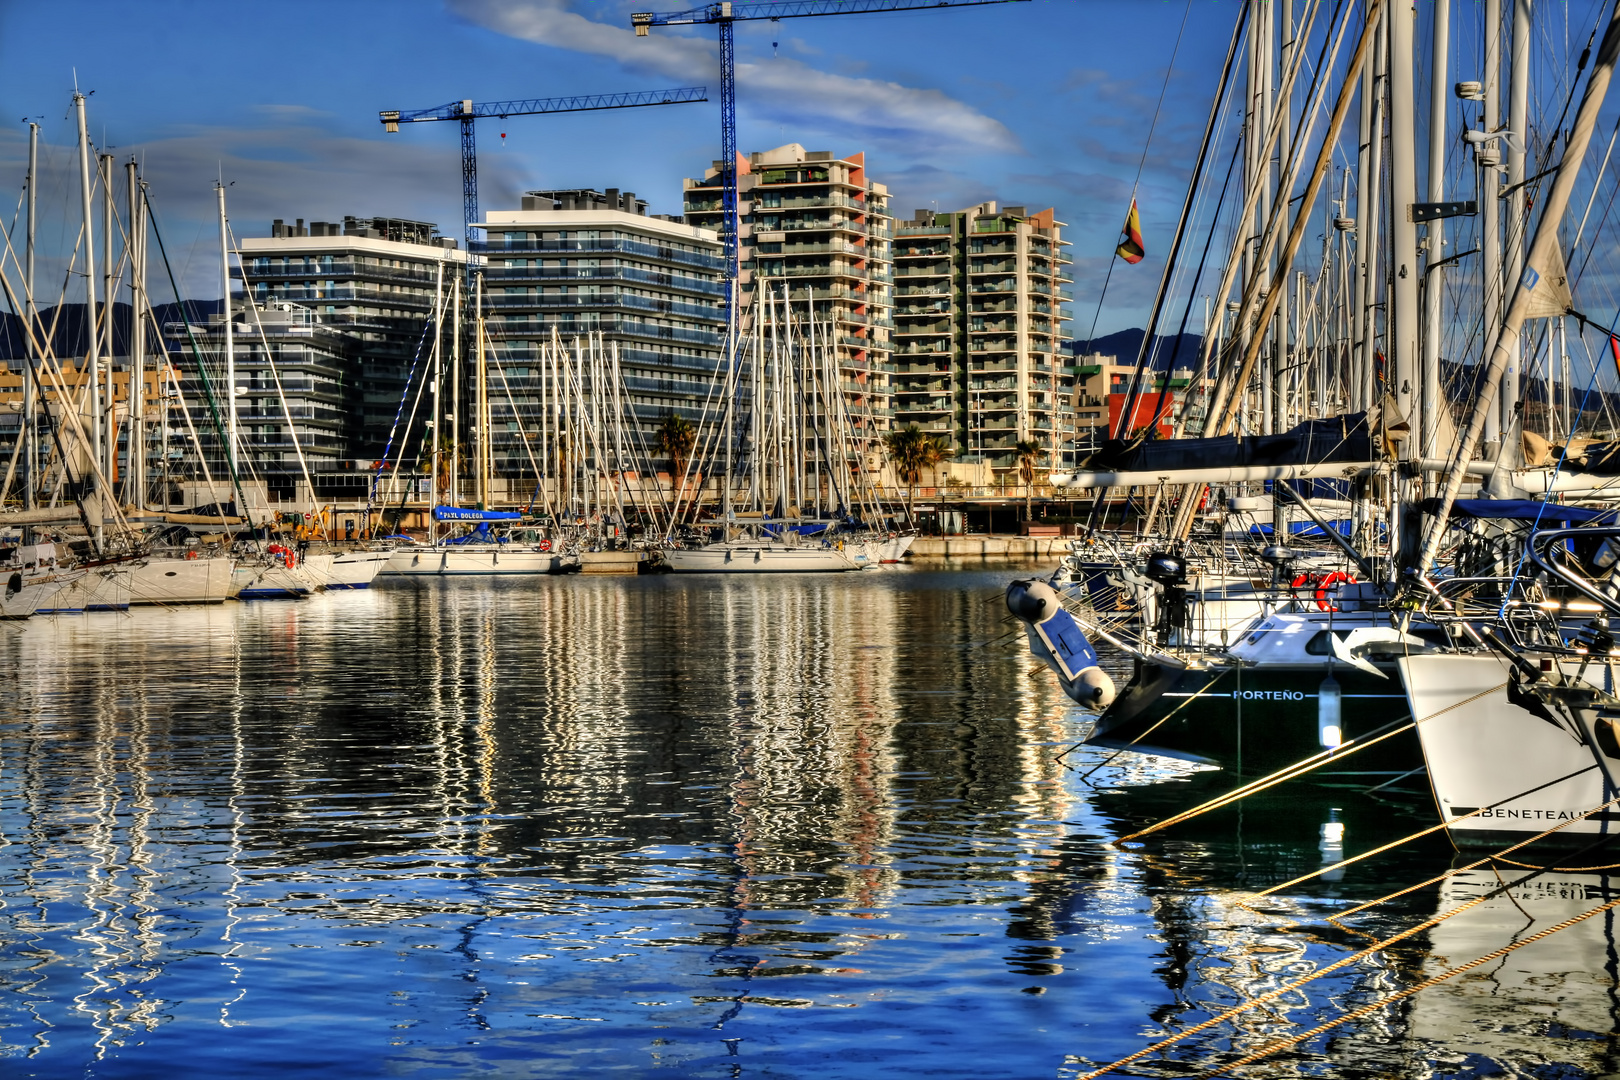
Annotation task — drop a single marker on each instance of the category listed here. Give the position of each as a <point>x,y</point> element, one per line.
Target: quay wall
<point>940,548</point>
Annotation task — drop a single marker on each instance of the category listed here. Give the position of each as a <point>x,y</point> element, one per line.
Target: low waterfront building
<point>979,317</point>
<point>817,229</point>
<point>1102,389</point>
<point>580,261</point>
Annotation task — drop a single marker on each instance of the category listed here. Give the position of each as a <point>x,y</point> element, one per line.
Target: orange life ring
<point>545,545</point>
<point>1326,583</point>
<point>290,559</point>
<point>191,554</point>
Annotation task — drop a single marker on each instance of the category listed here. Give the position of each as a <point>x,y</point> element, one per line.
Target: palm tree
<point>676,438</point>
<point>911,450</point>
<point>1028,451</point>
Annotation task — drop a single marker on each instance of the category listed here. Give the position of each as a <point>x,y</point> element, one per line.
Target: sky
<point>1072,104</point>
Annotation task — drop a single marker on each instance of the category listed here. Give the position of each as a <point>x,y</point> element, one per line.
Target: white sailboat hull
<point>879,550</point>
<point>356,569</point>
<point>1481,749</point>
<point>757,557</point>
<point>100,588</point>
<point>117,586</point>
<point>481,559</point>
<point>271,580</point>
<point>180,581</point>
<point>24,594</point>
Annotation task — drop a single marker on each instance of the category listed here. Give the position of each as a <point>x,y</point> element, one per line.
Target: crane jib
<point>462,110</point>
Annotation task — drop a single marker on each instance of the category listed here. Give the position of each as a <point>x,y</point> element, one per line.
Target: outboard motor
<point>1058,641</point>
<point>1169,572</point>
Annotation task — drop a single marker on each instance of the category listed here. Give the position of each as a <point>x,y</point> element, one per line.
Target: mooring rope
<point>1400,995</point>
<point>1434,829</point>
<point>1300,768</point>
<point>1376,946</point>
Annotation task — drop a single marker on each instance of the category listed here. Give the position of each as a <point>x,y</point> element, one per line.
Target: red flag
<point>1131,249</point>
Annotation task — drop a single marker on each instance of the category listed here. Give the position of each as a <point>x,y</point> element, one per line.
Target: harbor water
<point>795,826</point>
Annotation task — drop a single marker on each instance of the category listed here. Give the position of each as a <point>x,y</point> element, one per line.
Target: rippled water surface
<point>774,827</point>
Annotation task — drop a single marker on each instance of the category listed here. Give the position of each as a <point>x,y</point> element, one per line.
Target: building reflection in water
<point>436,813</point>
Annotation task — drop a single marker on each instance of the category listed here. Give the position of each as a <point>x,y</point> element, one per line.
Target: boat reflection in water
<point>1552,1002</point>
<point>811,825</point>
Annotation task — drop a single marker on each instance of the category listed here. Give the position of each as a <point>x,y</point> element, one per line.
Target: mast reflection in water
<point>796,826</point>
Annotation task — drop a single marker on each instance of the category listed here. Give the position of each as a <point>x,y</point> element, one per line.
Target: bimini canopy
<point>456,513</point>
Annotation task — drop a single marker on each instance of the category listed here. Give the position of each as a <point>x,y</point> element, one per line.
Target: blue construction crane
<point>722,15</point>
<point>469,111</point>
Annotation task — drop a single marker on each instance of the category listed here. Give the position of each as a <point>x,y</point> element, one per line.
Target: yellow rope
<point>1293,1040</point>
<point>1475,865</point>
<point>1289,988</point>
<point>1434,829</point>
<point>1253,787</point>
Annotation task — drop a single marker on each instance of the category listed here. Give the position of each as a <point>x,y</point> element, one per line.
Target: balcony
<point>661,252</point>
<point>532,328</point>
<point>498,276</point>
<point>602,301</point>
<point>782,202</point>
<point>266,269</point>
<point>836,224</point>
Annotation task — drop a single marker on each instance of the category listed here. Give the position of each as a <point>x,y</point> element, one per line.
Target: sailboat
<point>793,453</point>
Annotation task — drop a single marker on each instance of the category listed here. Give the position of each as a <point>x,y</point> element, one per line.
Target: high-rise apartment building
<point>978,320</point>
<point>579,261</point>
<point>816,229</point>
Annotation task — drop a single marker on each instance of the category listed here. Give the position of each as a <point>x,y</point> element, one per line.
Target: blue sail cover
<point>1548,514</point>
<point>456,513</point>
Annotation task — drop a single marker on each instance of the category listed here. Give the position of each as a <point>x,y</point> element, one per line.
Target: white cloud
<point>784,89</point>
<point>294,170</point>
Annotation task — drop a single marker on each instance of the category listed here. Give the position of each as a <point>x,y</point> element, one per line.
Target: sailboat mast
<point>135,395</point>
<point>1282,370</point>
<point>1488,156</point>
<point>30,429</point>
<point>1539,262</point>
<point>480,432</point>
<point>93,356</point>
<point>438,349</point>
<point>1367,219</point>
<point>1434,277</point>
<point>455,416</point>
<point>1517,223</point>
<point>728,431</point>
<point>1403,328</point>
<point>230,340</point>
<point>109,350</point>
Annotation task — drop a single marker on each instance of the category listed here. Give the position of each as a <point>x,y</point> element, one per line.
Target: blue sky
<point>1045,103</point>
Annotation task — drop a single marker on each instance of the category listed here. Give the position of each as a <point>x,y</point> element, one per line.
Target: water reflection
<point>808,827</point>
